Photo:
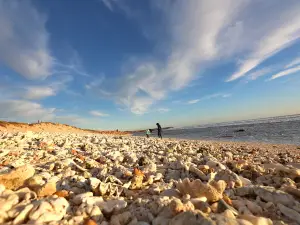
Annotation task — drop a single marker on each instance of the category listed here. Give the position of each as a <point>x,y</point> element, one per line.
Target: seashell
<point>20,214</point>
<point>52,209</point>
<point>201,204</point>
<point>213,191</point>
<point>229,176</point>
<point>113,179</point>
<point>136,182</point>
<point>198,172</point>
<point>217,166</point>
<point>256,220</point>
<point>90,210</point>
<point>177,206</point>
<point>291,172</point>
<point>110,189</point>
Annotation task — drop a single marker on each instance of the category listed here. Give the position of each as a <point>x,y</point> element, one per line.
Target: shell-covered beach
<point>85,178</point>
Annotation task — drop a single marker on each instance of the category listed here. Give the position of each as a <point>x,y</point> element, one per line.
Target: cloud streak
<point>261,72</point>
<point>98,113</point>
<point>295,62</point>
<point>286,72</point>
<point>163,110</point>
<point>218,95</point>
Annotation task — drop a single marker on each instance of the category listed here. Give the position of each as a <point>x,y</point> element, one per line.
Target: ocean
<point>277,130</point>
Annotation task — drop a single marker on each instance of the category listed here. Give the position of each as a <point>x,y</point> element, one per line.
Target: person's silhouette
<point>159,130</point>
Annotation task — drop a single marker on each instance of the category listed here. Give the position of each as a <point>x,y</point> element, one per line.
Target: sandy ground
<point>49,127</point>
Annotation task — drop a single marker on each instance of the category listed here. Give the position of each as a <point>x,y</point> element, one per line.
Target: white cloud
<point>39,92</point>
<point>193,101</point>
<point>295,62</point>
<point>226,95</point>
<point>24,40</point>
<point>163,110</point>
<point>200,33</point>
<point>285,72</point>
<point>139,105</point>
<point>193,40</point>
<point>261,72</point>
<point>275,36</point>
<point>98,113</point>
<point>24,110</point>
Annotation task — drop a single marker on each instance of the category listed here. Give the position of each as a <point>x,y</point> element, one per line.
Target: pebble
<point>122,180</point>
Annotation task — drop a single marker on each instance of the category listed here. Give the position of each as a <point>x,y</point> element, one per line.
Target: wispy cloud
<point>261,72</point>
<point>241,29</point>
<point>295,62</point>
<point>274,36</point>
<point>163,110</point>
<point>192,41</point>
<point>24,45</point>
<point>98,113</point>
<point>218,95</point>
<point>193,101</point>
<point>108,4</point>
<point>95,83</point>
<point>285,72</point>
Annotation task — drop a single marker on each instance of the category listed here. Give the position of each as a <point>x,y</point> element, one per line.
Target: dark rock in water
<point>240,130</point>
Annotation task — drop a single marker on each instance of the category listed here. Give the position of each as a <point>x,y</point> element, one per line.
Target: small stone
<point>47,190</point>
<point>290,213</point>
<point>223,206</point>
<point>16,178</point>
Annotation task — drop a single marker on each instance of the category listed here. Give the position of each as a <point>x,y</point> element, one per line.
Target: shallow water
<point>281,130</point>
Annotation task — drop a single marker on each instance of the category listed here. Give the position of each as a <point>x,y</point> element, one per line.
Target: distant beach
<point>277,130</point>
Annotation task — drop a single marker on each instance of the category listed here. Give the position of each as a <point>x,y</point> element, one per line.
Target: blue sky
<point>127,64</point>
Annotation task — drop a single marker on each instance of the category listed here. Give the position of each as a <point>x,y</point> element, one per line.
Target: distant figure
<point>148,132</point>
<point>158,130</point>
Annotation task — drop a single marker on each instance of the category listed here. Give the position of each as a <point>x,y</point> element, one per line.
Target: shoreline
<point>253,143</point>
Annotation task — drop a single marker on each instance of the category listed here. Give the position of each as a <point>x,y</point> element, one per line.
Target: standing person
<point>148,133</point>
<point>159,130</point>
